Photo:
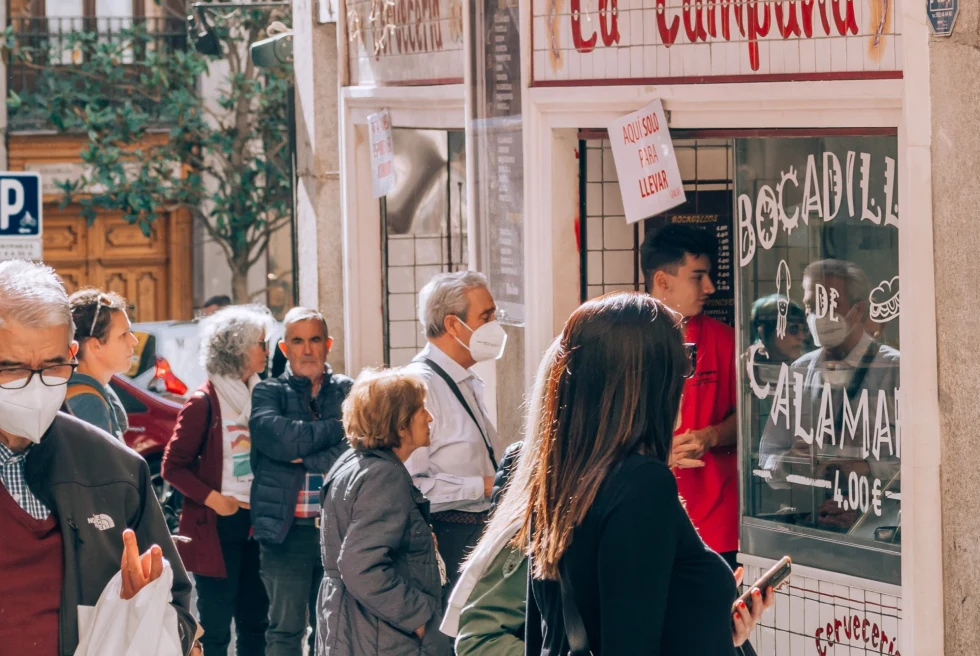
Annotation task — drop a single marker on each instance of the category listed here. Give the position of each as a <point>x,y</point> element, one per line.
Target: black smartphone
<point>775,577</point>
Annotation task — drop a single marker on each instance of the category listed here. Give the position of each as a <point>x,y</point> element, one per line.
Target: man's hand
<point>420,632</point>
<point>221,504</point>
<point>138,571</point>
<point>487,486</point>
<point>692,445</point>
<point>197,650</point>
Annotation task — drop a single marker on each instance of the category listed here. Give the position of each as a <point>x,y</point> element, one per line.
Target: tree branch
<point>91,76</point>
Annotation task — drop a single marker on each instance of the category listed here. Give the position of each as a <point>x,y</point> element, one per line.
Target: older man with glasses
<point>74,502</point>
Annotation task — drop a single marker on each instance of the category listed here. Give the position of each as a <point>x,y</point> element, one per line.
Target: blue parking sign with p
<point>20,204</point>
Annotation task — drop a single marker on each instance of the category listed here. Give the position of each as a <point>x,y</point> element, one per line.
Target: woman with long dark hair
<point>604,521</point>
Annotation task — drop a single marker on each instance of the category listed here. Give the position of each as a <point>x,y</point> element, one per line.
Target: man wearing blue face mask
<point>76,505</point>
<point>456,471</point>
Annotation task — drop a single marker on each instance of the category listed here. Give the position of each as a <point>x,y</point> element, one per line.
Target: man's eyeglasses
<point>53,376</point>
<point>691,350</point>
<point>315,410</point>
<point>103,301</point>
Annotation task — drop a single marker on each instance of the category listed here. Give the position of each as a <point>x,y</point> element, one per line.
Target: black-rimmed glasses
<point>691,350</point>
<point>103,301</point>
<point>20,377</point>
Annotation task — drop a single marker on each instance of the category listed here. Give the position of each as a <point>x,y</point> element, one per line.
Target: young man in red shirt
<point>676,261</point>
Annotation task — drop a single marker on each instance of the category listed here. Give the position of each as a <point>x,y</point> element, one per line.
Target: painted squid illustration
<point>880,19</point>
<point>783,283</point>
<point>554,52</point>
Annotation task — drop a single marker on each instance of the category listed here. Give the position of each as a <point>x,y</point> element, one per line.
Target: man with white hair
<point>74,501</point>
<point>456,471</point>
<point>816,432</point>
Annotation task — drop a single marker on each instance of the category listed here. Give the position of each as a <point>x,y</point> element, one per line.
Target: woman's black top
<point>644,581</point>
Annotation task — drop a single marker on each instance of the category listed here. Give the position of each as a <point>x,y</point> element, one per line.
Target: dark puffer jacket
<point>504,470</point>
<point>283,429</point>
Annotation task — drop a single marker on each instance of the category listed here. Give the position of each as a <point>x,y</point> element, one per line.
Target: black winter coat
<point>283,429</point>
<point>97,487</point>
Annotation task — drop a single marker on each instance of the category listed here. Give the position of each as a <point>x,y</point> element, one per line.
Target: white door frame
<point>552,117</point>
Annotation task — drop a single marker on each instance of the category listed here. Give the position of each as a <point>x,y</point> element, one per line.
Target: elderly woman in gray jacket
<point>381,591</point>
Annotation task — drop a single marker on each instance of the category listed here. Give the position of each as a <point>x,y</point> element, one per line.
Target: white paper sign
<point>20,249</point>
<point>645,163</point>
<point>382,154</point>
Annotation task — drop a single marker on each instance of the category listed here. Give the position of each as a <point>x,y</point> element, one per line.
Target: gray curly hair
<point>228,334</point>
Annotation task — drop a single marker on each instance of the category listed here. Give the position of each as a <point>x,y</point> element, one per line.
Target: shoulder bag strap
<point>578,639</point>
<point>857,380</point>
<point>439,371</point>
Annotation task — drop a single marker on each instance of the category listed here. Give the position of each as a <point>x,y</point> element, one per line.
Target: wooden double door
<point>153,273</point>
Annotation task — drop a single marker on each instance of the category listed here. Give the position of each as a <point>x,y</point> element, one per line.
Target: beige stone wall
<point>319,235</point>
<point>955,80</point>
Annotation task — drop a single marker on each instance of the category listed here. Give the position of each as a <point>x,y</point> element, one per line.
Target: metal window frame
<point>759,537</point>
<point>446,237</point>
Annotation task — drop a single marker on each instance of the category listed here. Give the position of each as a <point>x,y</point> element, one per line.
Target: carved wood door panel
<point>152,273</point>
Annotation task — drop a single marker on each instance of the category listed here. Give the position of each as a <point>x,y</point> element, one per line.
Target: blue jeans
<point>291,573</point>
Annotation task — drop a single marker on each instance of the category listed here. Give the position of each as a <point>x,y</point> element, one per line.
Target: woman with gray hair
<point>208,461</point>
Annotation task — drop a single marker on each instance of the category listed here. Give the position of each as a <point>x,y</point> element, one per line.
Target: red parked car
<point>151,423</point>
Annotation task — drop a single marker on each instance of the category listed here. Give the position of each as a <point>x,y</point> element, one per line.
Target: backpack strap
<point>83,388</point>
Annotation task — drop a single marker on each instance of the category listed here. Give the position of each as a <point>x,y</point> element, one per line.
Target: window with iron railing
<point>49,46</point>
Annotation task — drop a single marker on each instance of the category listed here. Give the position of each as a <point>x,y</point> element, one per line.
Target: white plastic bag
<point>145,625</point>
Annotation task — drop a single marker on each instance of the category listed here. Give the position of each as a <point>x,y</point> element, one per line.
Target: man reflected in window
<point>831,444</point>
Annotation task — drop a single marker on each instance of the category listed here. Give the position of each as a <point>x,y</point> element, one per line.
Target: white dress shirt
<point>883,374</point>
<point>450,471</point>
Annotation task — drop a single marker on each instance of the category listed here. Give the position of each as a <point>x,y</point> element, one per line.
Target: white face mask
<point>827,332</point>
<point>487,342</point>
<point>30,411</point>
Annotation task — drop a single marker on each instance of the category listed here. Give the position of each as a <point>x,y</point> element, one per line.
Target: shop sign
<point>405,42</point>
<point>942,15</point>
<point>382,154</point>
<point>610,41</point>
<point>53,174</point>
<point>646,164</point>
<point>20,216</point>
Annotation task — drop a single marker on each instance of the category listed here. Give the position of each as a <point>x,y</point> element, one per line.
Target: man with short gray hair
<point>296,435</point>
<point>74,501</point>
<point>456,471</point>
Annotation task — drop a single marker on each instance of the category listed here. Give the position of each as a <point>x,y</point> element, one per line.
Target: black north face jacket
<point>97,487</point>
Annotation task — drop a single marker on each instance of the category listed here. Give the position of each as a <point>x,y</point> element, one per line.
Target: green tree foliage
<point>155,142</point>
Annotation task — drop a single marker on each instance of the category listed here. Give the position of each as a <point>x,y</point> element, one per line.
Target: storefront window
<point>817,226</point>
